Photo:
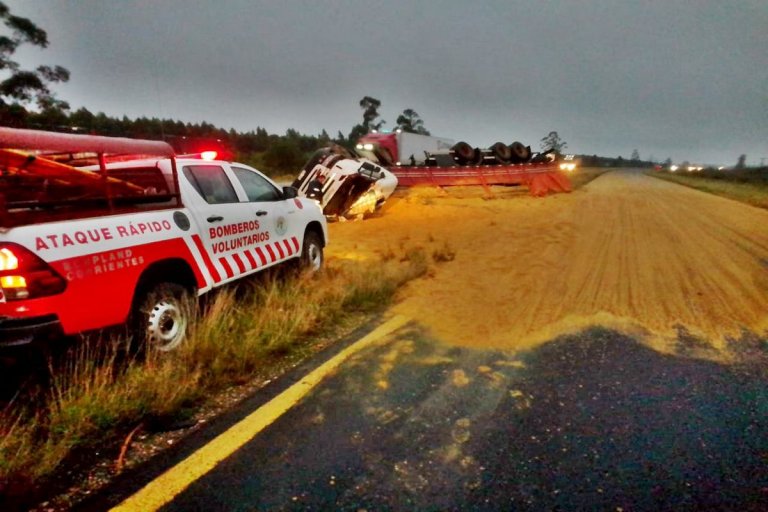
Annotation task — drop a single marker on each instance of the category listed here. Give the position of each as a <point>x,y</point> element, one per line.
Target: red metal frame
<point>66,142</point>
<point>44,145</point>
<point>540,178</point>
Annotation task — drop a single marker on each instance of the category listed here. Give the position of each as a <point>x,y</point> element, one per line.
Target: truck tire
<point>519,152</point>
<point>501,152</point>
<point>463,153</point>
<point>312,252</point>
<point>161,316</point>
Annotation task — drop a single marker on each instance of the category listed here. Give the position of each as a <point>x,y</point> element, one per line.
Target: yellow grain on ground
<point>628,252</point>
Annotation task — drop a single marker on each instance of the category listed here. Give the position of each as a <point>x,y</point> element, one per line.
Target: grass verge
<point>96,394</point>
<point>749,187</point>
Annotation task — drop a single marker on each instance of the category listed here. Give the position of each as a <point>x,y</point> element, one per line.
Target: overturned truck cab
<point>352,187</point>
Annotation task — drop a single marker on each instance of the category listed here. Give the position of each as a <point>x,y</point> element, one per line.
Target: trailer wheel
<point>161,316</point>
<point>519,152</point>
<point>501,152</point>
<point>312,252</point>
<point>463,153</point>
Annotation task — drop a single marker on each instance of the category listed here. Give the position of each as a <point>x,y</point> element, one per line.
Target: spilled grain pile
<point>627,252</point>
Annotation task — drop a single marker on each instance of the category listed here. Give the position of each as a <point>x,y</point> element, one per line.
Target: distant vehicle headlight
<point>673,168</point>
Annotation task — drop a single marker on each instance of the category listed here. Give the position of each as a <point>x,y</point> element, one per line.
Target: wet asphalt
<point>594,421</point>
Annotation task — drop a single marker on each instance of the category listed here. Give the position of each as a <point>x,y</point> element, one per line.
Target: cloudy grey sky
<point>670,78</point>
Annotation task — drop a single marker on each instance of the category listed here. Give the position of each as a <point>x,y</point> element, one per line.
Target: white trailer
<point>401,148</point>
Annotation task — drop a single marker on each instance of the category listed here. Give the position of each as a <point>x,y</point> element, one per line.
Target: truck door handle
<point>260,213</point>
<point>215,218</point>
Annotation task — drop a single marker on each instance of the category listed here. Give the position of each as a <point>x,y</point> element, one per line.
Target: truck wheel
<point>162,315</point>
<point>312,252</point>
<point>501,152</point>
<point>519,152</point>
<point>463,153</point>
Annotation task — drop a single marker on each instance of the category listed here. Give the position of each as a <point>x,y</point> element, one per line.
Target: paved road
<point>595,421</point>
<point>598,419</point>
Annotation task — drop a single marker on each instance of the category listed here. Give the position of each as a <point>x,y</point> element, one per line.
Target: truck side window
<point>211,183</point>
<point>371,171</point>
<point>256,187</point>
<point>150,179</point>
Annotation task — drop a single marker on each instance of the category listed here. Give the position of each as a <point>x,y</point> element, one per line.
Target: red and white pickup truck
<point>101,231</point>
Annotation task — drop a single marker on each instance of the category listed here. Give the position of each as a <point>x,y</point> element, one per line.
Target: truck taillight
<point>23,275</point>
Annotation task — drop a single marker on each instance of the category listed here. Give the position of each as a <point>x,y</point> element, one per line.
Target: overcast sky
<point>680,79</point>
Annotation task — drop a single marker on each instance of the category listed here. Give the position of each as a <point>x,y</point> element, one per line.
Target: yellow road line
<point>165,487</point>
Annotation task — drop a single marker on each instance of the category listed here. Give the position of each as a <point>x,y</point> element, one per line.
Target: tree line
<point>275,154</point>
<point>272,153</point>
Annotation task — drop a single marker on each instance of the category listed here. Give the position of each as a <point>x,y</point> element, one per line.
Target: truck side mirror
<point>290,192</point>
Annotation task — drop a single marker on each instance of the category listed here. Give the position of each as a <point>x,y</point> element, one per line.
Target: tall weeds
<point>98,392</point>
<point>748,186</point>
